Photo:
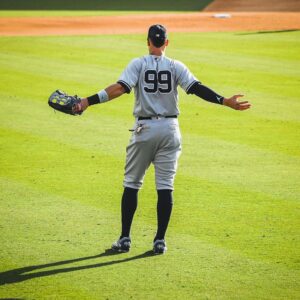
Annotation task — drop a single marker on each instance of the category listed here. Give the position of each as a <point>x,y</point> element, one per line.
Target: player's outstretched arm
<point>208,94</point>
<point>111,92</point>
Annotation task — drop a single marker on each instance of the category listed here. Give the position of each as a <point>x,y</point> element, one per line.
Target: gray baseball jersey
<point>155,80</point>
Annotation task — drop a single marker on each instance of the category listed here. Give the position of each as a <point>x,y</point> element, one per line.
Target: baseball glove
<point>60,101</point>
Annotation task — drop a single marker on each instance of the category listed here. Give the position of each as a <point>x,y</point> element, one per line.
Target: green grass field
<point>234,233</point>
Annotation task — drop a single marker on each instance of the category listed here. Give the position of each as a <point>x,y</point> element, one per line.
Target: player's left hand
<point>235,104</point>
<point>62,102</point>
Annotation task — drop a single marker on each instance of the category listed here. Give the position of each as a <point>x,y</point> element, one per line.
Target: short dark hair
<point>157,34</point>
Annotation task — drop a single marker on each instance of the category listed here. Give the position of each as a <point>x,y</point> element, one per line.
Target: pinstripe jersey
<point>155,80</point>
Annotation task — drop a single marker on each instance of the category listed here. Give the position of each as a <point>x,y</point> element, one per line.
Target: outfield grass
<point>234,232</point>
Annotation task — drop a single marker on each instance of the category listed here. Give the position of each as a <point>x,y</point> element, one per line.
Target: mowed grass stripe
<point>208,164</point>
<point>208,120</point>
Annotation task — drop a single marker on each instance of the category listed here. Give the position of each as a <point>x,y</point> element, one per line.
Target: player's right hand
<point>235,104</point>
<point>82,106</point>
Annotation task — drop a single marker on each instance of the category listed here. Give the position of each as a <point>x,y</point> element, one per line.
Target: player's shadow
<point>22,274</point>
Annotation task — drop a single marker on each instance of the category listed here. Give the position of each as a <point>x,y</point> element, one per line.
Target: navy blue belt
<point>156,117</point>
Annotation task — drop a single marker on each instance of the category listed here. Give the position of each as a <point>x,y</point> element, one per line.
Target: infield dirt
<point>139,23</point>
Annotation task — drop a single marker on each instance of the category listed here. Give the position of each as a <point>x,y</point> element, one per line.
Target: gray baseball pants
<point>156,141</point>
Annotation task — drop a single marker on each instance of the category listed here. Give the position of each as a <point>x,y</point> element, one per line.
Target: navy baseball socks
<point>164,210</point>
<point>128,207</point>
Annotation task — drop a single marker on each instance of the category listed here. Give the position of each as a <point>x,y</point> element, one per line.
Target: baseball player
<point>156,136</point>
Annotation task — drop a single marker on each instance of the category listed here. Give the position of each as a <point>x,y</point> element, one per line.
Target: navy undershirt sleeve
<point>94,99</point>
<point>205,93</point>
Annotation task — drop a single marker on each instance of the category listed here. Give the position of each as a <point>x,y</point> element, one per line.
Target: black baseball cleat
<point>121,245</point>
<point>159,247</point>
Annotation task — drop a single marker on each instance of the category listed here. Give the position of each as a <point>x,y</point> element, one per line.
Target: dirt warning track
<point>188,22</point>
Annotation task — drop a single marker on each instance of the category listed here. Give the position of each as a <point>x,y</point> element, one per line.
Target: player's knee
<point>133,184</point>
<point>130,192</point>
<point>165,183</point>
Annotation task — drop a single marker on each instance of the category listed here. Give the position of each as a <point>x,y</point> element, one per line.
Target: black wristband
<point>94,99</point>
<point>205,93</point>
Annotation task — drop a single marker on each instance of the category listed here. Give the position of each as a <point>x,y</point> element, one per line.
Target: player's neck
<point>156,52</point>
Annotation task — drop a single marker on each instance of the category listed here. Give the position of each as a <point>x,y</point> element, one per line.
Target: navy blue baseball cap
<point>157,34</point>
